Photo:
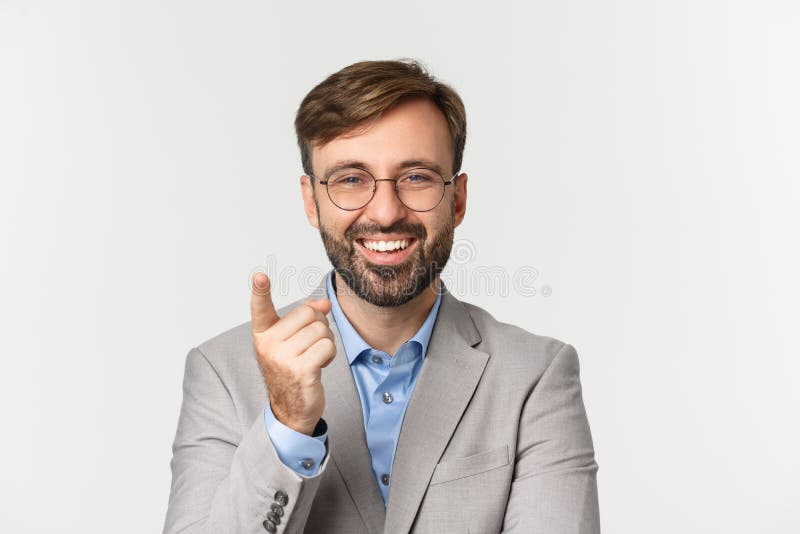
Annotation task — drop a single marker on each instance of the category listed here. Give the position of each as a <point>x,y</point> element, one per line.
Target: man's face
<point>413,131</point>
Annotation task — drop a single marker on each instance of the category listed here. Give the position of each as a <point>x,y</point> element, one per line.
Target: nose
<point>385,208</point>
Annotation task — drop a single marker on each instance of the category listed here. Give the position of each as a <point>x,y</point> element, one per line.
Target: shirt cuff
<point>299,452</point>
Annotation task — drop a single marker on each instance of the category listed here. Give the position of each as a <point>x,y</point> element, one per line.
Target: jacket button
<point>276,509</point>
<point>274,518</point>
<point>281,498</point>
<point>269,525</point>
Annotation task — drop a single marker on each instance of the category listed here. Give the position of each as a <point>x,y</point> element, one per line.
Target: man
<point>383,403</point>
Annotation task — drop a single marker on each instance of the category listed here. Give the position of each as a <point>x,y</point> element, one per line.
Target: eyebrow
<point>407,164</point>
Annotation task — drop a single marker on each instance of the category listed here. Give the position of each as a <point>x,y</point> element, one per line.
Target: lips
<point>386,251</point>
<point>382,245</point>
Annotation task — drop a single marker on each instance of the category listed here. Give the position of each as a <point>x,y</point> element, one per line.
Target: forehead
<point>412,130</point>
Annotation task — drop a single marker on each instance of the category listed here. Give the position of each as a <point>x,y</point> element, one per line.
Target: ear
<point>309,203</point>
<point>460,206</point>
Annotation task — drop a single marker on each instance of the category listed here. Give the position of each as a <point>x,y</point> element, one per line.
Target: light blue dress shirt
<point>384,384</point>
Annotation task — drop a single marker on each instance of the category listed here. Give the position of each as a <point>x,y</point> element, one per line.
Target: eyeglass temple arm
<point>453,179</point>
<point>323,182</point>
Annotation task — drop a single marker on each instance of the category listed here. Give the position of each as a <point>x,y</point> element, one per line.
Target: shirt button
<point>387,397</point>
<point>385,479</point>
<point>377,359</point>
<point>307,463</point>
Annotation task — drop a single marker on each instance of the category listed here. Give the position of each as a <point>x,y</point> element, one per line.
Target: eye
<point>418,179</point>
<point>350,179</point>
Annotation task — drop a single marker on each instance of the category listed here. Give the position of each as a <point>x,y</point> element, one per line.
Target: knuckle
<point>325,344</point>
<point>306,312</point>
<point>319,329</point>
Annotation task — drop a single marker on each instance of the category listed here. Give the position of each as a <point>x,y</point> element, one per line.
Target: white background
<point>641,156</point>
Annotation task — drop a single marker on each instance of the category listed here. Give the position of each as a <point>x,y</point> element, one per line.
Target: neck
<point>386,328</point>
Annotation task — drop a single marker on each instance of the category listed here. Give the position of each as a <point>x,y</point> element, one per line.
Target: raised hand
<point>291,351</point>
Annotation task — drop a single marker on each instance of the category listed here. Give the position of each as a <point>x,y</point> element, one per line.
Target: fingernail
<point>259,282</point>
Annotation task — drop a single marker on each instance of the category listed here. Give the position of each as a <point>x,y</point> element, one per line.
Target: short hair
<point>360,93</point>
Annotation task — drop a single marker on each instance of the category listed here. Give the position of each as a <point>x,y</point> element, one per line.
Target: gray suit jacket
<point>495,437</point>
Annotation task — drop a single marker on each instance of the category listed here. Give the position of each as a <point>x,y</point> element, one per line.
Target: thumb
<point>262,310</point>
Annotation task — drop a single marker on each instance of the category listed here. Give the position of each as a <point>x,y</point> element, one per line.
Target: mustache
<point>401,227</point>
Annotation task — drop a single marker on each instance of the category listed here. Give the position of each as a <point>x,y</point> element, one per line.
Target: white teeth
<point>384,246</point>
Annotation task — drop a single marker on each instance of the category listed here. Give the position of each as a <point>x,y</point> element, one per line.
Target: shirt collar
<point>354,344</point>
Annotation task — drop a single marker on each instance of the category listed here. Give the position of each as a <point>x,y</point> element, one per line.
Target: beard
<point>389,285</point>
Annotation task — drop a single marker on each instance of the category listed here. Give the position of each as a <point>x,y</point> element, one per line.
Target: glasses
<point>419,189</point>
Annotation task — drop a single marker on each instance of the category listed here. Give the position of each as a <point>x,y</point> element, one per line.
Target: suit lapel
<point>346,435</point>
<point>450,373</point>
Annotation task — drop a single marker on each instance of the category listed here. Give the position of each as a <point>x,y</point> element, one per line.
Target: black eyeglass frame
<point>396,192</point>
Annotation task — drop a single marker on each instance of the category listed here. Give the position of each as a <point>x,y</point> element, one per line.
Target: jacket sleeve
<point>226,478</point>
<point>554,489</point>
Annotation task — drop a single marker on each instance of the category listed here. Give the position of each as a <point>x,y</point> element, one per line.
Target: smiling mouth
<point>386,246</point>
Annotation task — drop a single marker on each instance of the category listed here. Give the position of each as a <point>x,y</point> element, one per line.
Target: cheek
<point>436,222</point>
<point>336,220</point>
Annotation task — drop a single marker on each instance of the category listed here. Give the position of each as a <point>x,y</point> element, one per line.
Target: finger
<point>262,310</point>
<point>321,305</point>
<point>304,338</point>
<point>318,355</point>
<point>300,316</point>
